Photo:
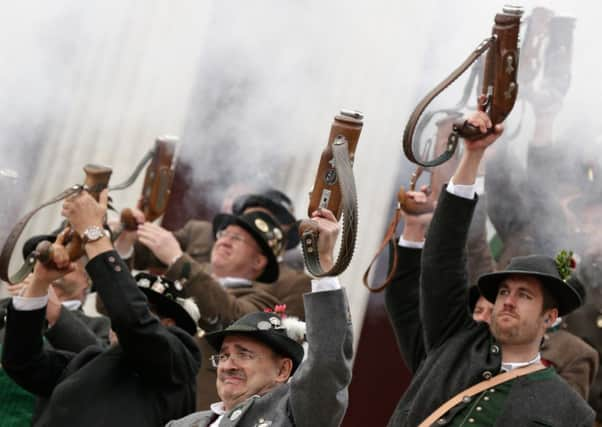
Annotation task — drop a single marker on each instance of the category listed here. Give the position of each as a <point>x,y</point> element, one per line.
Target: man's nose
<point>229,364</point>
<point>510,300</point>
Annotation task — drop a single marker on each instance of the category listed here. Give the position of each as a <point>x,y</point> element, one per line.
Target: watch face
<point>93,233</point>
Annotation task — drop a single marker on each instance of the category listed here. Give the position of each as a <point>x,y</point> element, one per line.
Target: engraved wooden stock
<point>158,179</point>
<point>157,183</point>
<point>326,192</point>
<point>500,85</point>
<point>334,189</point>
<point>503,60</point>
<point>97,179</point>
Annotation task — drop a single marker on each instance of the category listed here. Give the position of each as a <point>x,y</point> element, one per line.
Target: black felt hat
<point>265,327</point>
<point>265,230</point>
<point>279,204</point>
<point>169,301</point>
<point>543,268</point>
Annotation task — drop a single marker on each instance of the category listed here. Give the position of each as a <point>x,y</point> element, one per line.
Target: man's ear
<point>260,262</point>
<point>550,316</point>
<point>285,369</point>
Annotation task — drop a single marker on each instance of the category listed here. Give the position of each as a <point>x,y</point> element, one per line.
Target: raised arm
<point>319,389</point>
<point>175,357</point>
<point>24,357</point>
<point>402,296</point>
<point>444,278</point>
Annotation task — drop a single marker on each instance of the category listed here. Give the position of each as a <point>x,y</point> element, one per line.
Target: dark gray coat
<point>460,352</point>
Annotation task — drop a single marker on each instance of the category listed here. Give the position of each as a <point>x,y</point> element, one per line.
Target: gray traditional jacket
<point>460,352</point>
<point>317,393</point>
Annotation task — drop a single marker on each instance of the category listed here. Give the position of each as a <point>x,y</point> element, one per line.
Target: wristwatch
<point>92,234</point>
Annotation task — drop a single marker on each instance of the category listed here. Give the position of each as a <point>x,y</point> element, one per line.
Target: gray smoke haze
<point>251,87</point>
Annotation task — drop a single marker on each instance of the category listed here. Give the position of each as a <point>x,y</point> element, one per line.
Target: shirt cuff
<point>464,191</point>
<point>30,303</point>
<point>327,283</point>
<point>410,243</point>
<point>128,254</point>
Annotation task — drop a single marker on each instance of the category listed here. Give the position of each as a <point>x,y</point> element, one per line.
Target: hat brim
<point>271,270</point>
<point>280,344</point>
<point>169,308</point>
<point>284,217</point>
<point>31,243</point>
<point>568,299</point>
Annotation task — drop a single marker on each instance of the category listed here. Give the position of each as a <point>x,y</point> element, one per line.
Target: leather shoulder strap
<point>476,389</point>
<point>388,240</point>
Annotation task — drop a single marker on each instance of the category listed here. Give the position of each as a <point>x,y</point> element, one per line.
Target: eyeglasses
<point>233,236</point>
<point>239,357</point>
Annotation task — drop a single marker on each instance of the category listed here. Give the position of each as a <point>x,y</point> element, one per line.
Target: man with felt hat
<point>226,288</point>
<point>261,379</point>
<point>292,282</point>
<point>474,373</point>
<point>159,249</point>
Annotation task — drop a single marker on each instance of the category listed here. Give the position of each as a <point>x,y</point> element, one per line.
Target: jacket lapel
<point>232,417</point>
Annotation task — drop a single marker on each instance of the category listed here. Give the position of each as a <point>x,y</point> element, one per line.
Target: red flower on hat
<point>279,309</point>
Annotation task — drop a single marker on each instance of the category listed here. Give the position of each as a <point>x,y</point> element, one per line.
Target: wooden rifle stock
<point>157,183</point>
<point>326,192</point>
<point>500,85</point>
<point>97,179</point>
<point>334,189</point>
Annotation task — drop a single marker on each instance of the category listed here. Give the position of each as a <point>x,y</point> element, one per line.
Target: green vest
<point>16,405</point>
<point>485,407</point>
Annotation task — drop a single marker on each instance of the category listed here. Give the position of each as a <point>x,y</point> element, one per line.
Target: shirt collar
<point>72,304</point>
<point>507,367</point>
<point>233,282</point>
<point>218,408</point>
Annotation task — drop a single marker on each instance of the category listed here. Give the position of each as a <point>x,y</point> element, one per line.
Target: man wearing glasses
<point>259,353</point>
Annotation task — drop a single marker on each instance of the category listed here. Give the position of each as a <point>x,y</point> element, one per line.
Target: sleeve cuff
<point>325,284</point>
<point>29,303</point>
<point>410,244</point>
<point>464,191</point>
<point>128,254</point>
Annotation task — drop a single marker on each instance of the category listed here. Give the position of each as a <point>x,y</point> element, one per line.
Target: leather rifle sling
<point>476,389</point>
<point>13,237</point>
<point>408,132</point>
<point>309,239</point>
<point>388,240</point>
<point>15,233</point>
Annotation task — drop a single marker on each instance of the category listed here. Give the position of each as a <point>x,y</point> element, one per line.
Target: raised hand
<point>83,211</point>
<point>328,230</point>
<point>160,241</point>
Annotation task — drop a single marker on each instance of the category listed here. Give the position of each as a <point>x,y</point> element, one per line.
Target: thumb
<point>482,102</point>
